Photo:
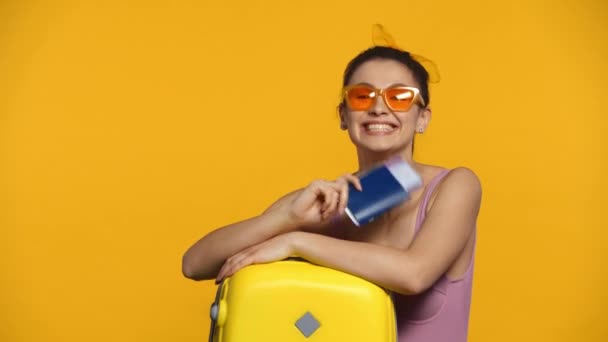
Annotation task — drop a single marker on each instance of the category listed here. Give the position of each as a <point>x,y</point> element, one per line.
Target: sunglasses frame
<point>382,93</point>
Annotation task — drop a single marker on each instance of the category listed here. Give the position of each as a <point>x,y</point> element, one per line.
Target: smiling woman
<point>422,250</point>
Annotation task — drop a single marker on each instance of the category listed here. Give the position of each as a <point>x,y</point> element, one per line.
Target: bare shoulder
<point>463,178</point>
<point>460,188</point>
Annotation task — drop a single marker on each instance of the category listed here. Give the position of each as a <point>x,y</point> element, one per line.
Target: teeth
<point>379,127</point>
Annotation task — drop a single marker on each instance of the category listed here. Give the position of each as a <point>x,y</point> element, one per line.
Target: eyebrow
<point>390,86</point>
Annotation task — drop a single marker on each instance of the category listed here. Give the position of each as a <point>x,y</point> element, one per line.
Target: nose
<point>378,107</point>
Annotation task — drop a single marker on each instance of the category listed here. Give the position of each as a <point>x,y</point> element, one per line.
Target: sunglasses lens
<point>400,99</point>
<point>360,98</point>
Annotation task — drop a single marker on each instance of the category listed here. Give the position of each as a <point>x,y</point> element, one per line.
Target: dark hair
<point>383,52</point>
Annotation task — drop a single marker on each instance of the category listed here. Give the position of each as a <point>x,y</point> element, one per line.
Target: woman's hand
<point>317,203</point>
<point>322,200</point>
<point>278,248</point>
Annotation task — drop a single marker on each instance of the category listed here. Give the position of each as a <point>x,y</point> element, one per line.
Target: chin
<point>379,148</point>
<point>378,144</point>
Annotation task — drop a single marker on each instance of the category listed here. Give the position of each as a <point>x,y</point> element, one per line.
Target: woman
<point>421,250</point>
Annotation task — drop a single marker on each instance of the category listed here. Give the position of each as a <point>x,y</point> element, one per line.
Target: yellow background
<point>131,128</point>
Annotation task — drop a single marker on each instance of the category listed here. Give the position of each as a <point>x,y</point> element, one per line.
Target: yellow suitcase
<point>293,300</point>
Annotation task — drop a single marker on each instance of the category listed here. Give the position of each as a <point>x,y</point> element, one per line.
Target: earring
<point>420,130</point>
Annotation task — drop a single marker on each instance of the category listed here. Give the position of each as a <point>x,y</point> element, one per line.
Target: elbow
<point>188,268</point>
<point>411,286</point>
<point>413,282</point>
<point>416,286</point>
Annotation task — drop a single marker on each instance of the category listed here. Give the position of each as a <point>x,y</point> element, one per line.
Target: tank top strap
<point>421,215</point>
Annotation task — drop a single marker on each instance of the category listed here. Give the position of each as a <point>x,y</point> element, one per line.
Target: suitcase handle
<point>214,311</point>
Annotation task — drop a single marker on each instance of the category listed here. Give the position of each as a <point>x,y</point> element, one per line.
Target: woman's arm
<point>446,230</point>
<point>310,208</point>
<point>204,259</point>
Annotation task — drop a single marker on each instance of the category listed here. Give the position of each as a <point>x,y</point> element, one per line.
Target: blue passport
<point>384,187</point>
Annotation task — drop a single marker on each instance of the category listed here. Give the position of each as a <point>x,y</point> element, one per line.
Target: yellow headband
<point>380,37</point>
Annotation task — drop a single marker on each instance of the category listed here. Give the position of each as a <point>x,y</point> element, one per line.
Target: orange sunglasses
<point>361,97</point>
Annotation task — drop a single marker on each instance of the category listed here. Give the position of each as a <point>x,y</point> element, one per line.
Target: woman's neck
<point>368,159</point>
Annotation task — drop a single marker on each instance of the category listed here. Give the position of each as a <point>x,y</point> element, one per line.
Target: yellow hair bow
<point>380,37</point>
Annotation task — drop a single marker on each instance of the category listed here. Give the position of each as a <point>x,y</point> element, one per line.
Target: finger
<point>220,274</point>
<point>246,261</point>
<point>318,189</point>
<point>333,204</point>
<point>339,184</point>
<point>354,180</point>
<point>238,259</point>
<point>343,197</point>
<point>315,189</point>
<point>227,271</point>
<point>229,263</point>
<point>341,187</point>
<point>326,192</point>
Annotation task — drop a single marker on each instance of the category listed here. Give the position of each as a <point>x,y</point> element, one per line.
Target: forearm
<point>204,259</point>
<point>388,267</point>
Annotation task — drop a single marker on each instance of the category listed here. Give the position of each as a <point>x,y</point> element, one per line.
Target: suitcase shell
<point>295,300</point>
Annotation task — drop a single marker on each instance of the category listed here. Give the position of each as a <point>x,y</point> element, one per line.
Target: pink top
<point>441,313</point>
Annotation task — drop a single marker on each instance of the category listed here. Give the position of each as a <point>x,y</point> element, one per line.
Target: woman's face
<point>379,129</point>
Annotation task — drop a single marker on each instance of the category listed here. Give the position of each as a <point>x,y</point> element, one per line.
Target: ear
<point>424,118</point>
<point>342,114</point>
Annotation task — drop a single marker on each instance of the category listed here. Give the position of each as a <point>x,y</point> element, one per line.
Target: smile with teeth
<point>379,127</point>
